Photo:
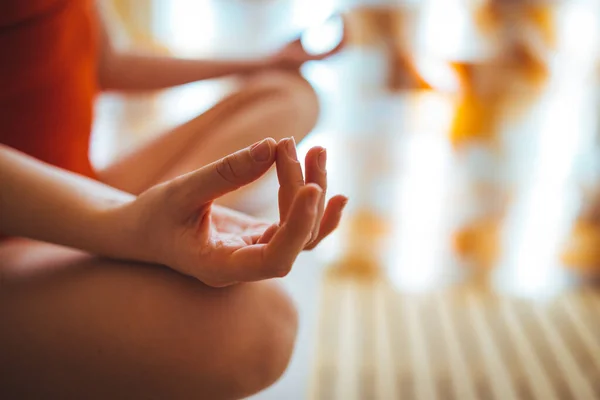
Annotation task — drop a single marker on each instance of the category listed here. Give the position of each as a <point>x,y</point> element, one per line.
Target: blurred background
<point>465,133</point>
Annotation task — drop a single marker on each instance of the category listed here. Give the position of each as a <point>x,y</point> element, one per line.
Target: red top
<point>48,79</point>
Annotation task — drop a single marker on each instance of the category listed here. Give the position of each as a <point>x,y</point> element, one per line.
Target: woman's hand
<point>293,54</point>
<point>178,224</point>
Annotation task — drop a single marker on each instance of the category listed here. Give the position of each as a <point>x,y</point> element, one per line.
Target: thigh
<point>75,326</point>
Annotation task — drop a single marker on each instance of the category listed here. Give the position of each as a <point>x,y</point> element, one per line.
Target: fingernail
<point>322,160</point>
<point>291,149</point>
<point>261,151</point>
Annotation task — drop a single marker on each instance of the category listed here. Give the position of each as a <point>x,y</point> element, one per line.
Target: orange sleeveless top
<point>48,51</point>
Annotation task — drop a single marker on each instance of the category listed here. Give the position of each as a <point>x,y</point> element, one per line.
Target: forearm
<point>45,203</point>
<point>132,72</point>
<point>119,70</point>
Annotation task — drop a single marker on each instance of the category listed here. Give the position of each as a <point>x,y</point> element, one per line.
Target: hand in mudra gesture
<point>293,54</point>
<point>179,226</point>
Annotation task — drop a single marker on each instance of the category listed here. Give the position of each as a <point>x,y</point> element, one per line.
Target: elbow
<point>110,67</point>
<point>104,79</point>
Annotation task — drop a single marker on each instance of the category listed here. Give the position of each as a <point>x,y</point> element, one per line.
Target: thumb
<point>229,173</point>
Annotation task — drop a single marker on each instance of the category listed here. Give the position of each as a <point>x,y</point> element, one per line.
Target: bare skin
<point>270,104</point>
<point>76,326</point>
<point>273,101</point>
<point>76,323</point>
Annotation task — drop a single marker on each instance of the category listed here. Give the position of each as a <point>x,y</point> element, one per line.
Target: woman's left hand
<point>293,54</point>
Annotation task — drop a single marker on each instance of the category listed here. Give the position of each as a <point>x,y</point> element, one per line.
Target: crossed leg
<point>76,326</point>
<point>273,104</point>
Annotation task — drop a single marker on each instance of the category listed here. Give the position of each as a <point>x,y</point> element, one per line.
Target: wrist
<point>270,62</point>
<point>122,235</point>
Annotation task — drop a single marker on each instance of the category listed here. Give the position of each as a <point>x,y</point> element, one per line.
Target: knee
<point>295,98</point>
<point>266,358</point>
<point>271,328</point>
<point>168,336</point>
<point>253,334</point>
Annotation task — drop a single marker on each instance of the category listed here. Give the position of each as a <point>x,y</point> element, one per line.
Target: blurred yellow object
<point>371,26</point>
<point>494,16</point>
<point>526,31</point>
<point>475,121</point>
<point>357,266</point>
<point>362,234</point>
<point>582,251</point>
<point>479,241</point>
<point>528,65</point>
<point>404,74</point>
<point>544,19</point>
<point>365,226</point>
<point>477,112</point>
<point>486,88</point>
<point>390,27</point>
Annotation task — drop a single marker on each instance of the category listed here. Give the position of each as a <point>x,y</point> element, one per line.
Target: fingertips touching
<point>227,174</point>
<point>262,151</point>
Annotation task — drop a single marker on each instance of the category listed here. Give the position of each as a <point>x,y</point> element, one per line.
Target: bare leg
<point>75,326</point>
<point>272,104</point>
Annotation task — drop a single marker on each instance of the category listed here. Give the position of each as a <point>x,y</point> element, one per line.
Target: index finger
<point>226,175</point>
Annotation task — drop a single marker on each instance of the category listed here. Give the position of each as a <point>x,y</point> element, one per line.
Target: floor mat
<point>461,343</point>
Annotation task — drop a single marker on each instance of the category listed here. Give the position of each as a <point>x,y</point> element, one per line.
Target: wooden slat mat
<point>462,343</point>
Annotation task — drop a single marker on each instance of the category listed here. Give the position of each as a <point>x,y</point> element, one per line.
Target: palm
<point>233,230</point>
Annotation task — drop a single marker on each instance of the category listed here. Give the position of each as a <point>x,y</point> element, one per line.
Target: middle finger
<point>289,173</point>
<point>316,172</point>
